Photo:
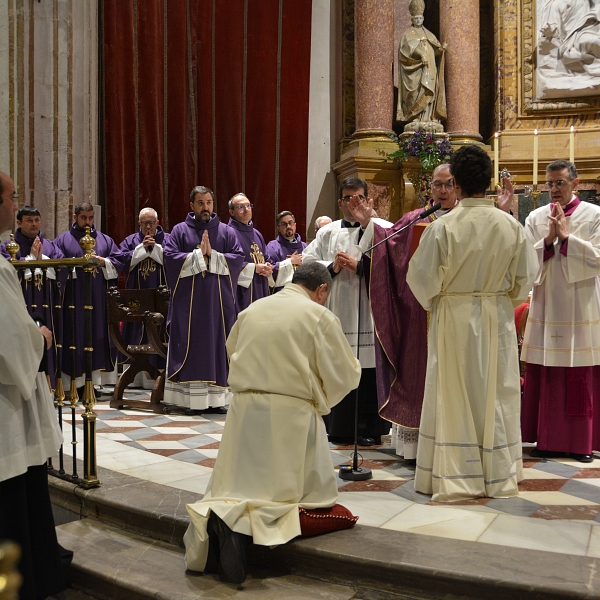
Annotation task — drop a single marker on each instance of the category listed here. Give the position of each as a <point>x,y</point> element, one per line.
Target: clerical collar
<point>239,225</point>
<point>296,241</point>
<point>191,221</point>
<point>348,224</point>
<point>442,211</point>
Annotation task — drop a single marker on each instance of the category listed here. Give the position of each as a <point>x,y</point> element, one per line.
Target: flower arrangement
<point>431,149</point>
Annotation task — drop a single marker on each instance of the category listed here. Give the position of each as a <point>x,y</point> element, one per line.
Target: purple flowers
<point>431,149</point>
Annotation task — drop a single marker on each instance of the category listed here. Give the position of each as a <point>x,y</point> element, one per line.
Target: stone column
<point>374,56</point>
<point>459,28</point>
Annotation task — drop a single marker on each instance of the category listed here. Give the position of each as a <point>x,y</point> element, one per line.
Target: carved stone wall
<point>518,112</point>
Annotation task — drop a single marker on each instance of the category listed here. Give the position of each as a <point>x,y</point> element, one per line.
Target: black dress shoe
<point>212,560</point>
<point>535,453</point>
<point>232,552</point>
<point>584,458</point>
<point>411,462</point>
<point>368,441</point>
<point>215,410</point>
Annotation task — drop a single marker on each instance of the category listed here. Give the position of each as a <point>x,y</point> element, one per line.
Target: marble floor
<point>557,510</point>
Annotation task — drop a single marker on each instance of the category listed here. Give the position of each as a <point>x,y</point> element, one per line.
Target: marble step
<point>389,562</point>
<point>110,563</point>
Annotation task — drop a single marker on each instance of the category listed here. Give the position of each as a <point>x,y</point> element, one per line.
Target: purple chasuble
<point>146,274</point>
<point>400,327</point>
<point>38,297</point>
<point>279,249</point>
<point>104,354</point>
<point>255,250</point>
<point>203,306</point>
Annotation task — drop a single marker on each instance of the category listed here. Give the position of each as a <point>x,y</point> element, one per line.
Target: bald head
<point>8,205</point>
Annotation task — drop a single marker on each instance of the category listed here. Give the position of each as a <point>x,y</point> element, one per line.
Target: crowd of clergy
<point>424,329</point>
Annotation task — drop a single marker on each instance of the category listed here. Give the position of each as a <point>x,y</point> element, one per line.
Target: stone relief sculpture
<point>421,92</point>
<point>568,48</point>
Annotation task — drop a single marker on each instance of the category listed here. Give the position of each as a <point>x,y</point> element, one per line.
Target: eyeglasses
<point>245,207</point>
<point>559,184</point>
<point>347,198</point>
<point>147,223</point>
<point>438,185</point>
<point>286,223</point>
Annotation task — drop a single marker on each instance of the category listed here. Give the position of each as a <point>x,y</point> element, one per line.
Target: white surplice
<point>344,297</point>
<point>29,431</point>
<point>470,270</point>
<point>563,327</point>
<point>289,364</point>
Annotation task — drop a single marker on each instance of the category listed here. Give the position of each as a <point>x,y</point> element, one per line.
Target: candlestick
<point>535,157</point>
<point>572,145</point>
<point>496,169</point>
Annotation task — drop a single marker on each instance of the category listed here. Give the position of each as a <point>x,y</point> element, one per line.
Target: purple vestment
<point>146,274</point>
<point>39,297</point>
<point>254,247</point>
<point>400,327</point>
<point>279,249</point>
<point>203,306</point>
<point>104,353</point>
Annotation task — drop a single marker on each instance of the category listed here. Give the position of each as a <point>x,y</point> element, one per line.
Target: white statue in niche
<point>568,49</point>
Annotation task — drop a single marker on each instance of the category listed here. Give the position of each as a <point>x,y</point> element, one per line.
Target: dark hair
<point>27,211</point>
<point>353,183</point>
<point>283,213</point>
<point>82,206</point>
<point>560,164</point>
<point>312,275</point>
<point>201,189</point>
<point>472,169</point>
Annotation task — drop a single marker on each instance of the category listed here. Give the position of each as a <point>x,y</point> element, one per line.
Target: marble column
<point>459,28</point>
<point>374,56</point>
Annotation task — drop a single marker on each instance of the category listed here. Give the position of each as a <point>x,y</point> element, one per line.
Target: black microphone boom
<point>423,215</point>
<point>430,211</point>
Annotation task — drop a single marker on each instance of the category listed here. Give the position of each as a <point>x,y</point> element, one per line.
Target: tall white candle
<point>535,157</point>
<point>572,145</point>
<point>496,159</point>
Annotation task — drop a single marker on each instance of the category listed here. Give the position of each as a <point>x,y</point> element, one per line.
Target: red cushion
<point>324,520</point>
<point>519,311</point>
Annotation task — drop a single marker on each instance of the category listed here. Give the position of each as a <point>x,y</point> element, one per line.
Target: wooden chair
<point>150,308</point>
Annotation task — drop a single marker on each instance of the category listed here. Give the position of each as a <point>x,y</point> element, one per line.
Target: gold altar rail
<point>89,263</point>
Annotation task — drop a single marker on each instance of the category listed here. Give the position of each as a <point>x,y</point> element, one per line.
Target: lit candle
<point>535,157</point>
<point>572,145</point>
<point>496,171</point>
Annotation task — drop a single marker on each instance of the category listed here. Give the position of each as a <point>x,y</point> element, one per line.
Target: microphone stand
<point>356,473</point>
<point>422,215</point>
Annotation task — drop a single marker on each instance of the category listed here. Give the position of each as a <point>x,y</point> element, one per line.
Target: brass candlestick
<point>12,248</point>
<point>535,194</point>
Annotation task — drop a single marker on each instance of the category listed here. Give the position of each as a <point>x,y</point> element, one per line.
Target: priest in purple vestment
<point>203,260</point>
<point>40,297</point>
<point>561,396</point>
<point>285,252</point>
<point>144,268</point>
<point>401,323</point>
<point>104,356</point>
<point>253,282</point>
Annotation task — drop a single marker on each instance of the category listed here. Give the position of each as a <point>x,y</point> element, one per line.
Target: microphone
<point>431,210</point>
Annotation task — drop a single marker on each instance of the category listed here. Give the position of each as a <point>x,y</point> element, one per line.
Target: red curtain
<point>205,92</point>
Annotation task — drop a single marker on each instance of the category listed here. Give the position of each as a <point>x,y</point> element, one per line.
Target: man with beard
<point>111,264</point>
<point>285,252</point>
<point>143,254</point>
<point>203,260</point>
<point>253,280</point>
<point>39,298</point>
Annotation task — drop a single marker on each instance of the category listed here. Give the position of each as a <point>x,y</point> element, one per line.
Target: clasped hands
<point>557,226</point>
<point>264,269</point>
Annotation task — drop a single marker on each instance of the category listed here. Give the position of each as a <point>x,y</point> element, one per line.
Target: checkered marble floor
<point>558,507</point>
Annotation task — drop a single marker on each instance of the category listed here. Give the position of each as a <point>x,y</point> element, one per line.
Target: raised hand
<point>361,211</point>
<point>505,197</point>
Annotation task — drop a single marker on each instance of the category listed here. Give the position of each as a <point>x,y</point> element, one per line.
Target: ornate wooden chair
<point>148,307</point>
